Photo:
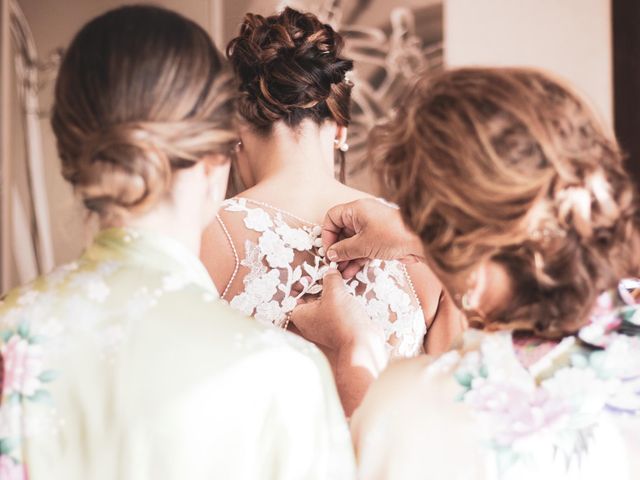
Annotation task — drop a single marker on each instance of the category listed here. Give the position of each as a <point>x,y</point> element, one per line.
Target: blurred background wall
<point>569,37</point>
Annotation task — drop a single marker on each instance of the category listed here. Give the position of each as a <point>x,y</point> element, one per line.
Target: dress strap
<point>235,256</point>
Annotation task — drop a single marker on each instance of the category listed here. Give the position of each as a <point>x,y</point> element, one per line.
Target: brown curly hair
<point>141,92</point>
<point>289,68</point>
<point>510,165</point>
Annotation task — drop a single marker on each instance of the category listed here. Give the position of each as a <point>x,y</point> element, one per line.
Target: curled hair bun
<point>289,68</point>
<point>141,93</point>
<point>129,166</point>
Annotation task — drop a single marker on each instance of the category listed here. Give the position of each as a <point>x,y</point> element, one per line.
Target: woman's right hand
<point>368,229</point>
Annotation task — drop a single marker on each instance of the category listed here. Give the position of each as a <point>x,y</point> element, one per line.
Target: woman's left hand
<point>337,319</point>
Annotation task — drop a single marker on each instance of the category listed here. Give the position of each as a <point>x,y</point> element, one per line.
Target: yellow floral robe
<point>125,365</point>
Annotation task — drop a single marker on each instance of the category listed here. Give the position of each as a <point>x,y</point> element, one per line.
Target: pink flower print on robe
<point>11,470</point>
<point>22,366</point>
<point>514,412</point>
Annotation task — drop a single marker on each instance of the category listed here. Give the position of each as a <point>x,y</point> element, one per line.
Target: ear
<point>491,288</point>
<point>341,135</point>
<point>214,160</point>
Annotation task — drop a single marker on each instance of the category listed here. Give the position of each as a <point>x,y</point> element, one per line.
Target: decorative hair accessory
<point>546,232</point>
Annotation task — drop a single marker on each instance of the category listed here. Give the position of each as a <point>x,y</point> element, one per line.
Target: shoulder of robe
<point>240,336</point>
<point>411,422</point>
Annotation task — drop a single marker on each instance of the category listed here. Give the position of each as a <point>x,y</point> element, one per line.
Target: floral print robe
<point>513,408</point>
<point>125,365</point>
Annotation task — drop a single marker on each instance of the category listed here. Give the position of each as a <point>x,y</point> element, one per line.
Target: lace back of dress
<point>279,259</point>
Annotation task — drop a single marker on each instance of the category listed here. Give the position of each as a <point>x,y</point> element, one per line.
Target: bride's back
<point>264,252</point>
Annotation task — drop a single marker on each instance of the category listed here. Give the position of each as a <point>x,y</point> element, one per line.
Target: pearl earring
<point>344,147</point>
<point>466,302</point>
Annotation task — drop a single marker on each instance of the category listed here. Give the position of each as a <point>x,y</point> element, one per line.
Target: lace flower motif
<point>278,255</point>
<point>296,238</point>
<point>258,220</point>
<point>383,287</point>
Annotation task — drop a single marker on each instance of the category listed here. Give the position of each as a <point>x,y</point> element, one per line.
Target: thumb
<point>333,283</point>
<point>304,312</point>
<point>348,249</point>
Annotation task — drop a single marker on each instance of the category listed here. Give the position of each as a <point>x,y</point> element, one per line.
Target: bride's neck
<point>303,153</point>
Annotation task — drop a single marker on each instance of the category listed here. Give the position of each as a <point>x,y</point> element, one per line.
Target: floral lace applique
<point>286,261</point>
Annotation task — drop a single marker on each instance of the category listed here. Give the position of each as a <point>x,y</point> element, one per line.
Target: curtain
<point>26,245</point>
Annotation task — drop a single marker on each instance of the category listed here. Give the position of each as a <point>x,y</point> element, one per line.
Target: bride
<point>264,252</point>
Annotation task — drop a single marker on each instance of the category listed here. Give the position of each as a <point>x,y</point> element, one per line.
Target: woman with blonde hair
<point>515,195</point>
<point>124,364</point>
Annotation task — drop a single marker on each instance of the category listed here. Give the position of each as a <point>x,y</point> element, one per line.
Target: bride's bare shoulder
<point>305,201</point>
<point>345,194</point>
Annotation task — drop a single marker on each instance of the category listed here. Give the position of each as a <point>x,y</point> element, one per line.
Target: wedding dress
<point>279,258</point>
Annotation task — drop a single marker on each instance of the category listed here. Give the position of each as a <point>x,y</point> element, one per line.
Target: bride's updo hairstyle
<point>511,165</point>
<point>289,69</point>
<point>141,93</point>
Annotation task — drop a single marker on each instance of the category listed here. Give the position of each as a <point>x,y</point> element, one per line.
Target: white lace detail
<point>283,261</point>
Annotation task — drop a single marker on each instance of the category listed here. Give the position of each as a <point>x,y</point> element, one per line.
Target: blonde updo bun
<point>141,92</point>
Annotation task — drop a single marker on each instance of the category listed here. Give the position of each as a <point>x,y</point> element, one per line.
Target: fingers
<point>332,282</point>
<point>298,287</point>
<point>304,313</point>
<point>353,267</point>
<point>338,222</point>
<point>349,249</point>
<point>411,259</point>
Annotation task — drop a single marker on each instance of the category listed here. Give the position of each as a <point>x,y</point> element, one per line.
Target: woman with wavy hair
<point>124,364</point>
<point>264,252</point>
<point>515,195</point>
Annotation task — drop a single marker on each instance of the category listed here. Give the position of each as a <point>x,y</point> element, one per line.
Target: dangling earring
<point>235,184</point>
<point>342,149</point>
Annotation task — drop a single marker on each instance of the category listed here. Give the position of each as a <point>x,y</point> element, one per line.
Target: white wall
<point>569,37</point>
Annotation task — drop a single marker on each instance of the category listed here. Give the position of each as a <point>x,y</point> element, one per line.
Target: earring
<point>343,147</point>
<point>466,303</point>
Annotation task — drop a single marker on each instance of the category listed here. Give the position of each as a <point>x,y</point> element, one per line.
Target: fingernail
<point>332,255</point>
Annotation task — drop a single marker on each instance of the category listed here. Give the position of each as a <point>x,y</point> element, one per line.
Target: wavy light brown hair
<point>289,68</point>
<point>510,165</point>
<point>141,92</point>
